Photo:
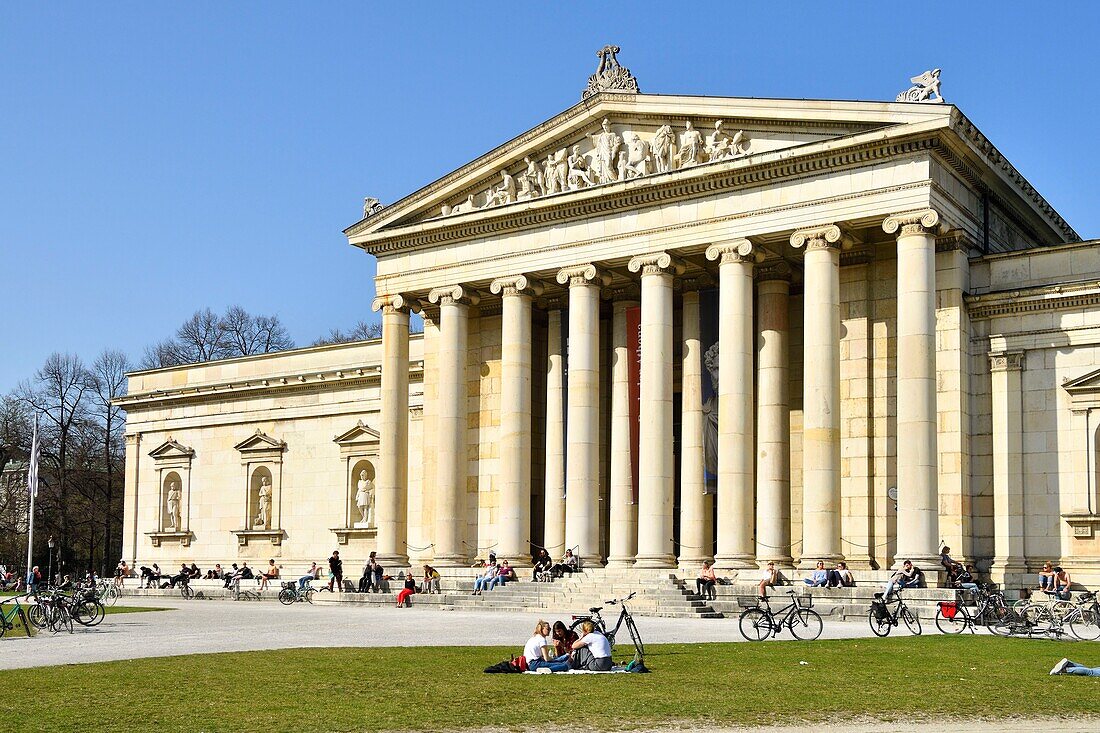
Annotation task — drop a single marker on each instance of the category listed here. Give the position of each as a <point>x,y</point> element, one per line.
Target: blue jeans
<point>1046,582</point>
<point>482,583</point>
<point>494,582</point>
<point>969,586</point>
<point>557,664</point>
<point>1062,591</point>
<point>304,581</point>
<point>1080,669</point>
<point>815,583</point>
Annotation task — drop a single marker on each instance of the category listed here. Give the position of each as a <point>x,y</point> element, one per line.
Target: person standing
<point>336,571</point>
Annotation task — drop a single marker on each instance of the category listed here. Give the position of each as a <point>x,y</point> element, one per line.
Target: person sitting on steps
<point>431,580</point>
<point>542,564</point>
<point>909,576</point>
<point>569,564</point>
<point>768,578</point>
<point>704,584</point>
<point>409,589</point>
<point>841,577</point>
<point>1046,576</point>
<point>818,578</point>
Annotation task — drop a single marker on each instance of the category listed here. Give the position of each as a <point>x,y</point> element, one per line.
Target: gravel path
<point>197,627</point>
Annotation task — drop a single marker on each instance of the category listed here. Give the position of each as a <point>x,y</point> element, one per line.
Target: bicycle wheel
<point>112,595</point>
<point>1060,609</point>
<point>911,620</point>
<point>953,625</point>
<point>308,593</point>
<point>755,624</point>
<point>880,627</point>
<point>26,625</point>
<point>635,636</point>
<point>805,624</point>
<point>187,592</point>
<point>1037,618</point>
<point>1084,623</point>
<point>286,597</point>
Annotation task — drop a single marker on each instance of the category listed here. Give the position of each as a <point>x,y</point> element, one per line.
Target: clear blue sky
<point>156,158</point>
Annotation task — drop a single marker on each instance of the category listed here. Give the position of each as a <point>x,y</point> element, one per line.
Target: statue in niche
<point>691,147</point>
<point>710,414</point>
<point>664,150</point>
<point>579,174</point>
<point>364,500</point>
<point>530,181</point>
<point>554,173</point>
<point>635,160</point>
<point>262,514</point>
<point>174,496</point>
<point>924,86</point>
<point>503,193</point>
<point>605,146</point>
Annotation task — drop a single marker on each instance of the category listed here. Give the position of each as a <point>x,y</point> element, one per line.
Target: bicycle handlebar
<point>616,601</point>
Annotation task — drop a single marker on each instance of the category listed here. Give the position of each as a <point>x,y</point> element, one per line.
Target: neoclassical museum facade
<point>661,329</point>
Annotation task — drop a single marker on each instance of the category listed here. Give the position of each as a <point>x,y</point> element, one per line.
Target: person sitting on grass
<point>532,650</point>
<point>409,589</point>
<point>768,578</point>
<point>1062,583</point>
<point>592,651</point>
<point>542,564</point>
<point>481,582</point>
<point>562,638</point>
<point>909,576</point>
<point>431,580</point>
<point>704,584</point>
<point>272,573</point>
<point>841,577</point>
<point>1046,576</point>
<point>818,578</point>
<point>303,581</point>
<point>1067,667</point>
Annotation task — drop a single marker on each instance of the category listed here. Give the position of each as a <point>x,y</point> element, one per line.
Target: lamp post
<point>49,562</point>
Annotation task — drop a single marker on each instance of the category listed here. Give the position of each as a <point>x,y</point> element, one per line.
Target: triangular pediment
<point>650,141</point>
<point>259,441</point>
<point>171,449</point>
<point>1085,384</point>
<point>361,434</point>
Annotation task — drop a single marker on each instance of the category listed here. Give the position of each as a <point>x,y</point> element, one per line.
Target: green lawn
<point>18,631</point>
<point>424,688</point>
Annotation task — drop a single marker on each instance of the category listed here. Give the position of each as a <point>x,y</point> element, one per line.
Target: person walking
<point>336,571</point>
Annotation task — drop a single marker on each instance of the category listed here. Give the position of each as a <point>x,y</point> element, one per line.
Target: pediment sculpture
<point>604,157</point>
<point>371,206</point>
<point>924,86</point>
<point>610,76</point>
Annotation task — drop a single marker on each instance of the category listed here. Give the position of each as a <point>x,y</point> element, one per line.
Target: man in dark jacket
<point>336,571</point>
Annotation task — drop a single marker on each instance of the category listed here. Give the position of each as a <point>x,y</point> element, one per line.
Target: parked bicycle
<point>886,613</point>
<point>8,617</point>
<point>291,593</point>
<point>989,610</point>
<point>108,593</point>
<point>596,617</point>
<point>1048,600</point>
<point>1080,618</point>
<point>759,622</point>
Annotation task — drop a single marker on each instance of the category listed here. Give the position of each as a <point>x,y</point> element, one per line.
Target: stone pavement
<point>198,627</point>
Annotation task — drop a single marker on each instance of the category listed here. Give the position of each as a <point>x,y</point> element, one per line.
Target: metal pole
<point>30,537</point>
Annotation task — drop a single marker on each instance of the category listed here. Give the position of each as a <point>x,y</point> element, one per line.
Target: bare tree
<point>362,331</point>
<point>202,337</point>
<point>248,334</point>
<point>108,377</point>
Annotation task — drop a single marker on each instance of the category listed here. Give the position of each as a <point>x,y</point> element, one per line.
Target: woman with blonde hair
<point>592,651</point>
<point>532,651</point>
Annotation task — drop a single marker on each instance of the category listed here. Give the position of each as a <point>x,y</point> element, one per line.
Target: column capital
<point>655,263</point>
<point>132,438</point>
<point>583,275</point>
<point>734,250</point>
<point>1006,361</point>
<point>921,221</point>
<point>398,302</point>
<point>826,236</point>
<point>454,294</point>
<point>773,270</point>
<point>516,285</point>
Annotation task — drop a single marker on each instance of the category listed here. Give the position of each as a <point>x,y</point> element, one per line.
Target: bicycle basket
<point>748,601</point>
<point>288,584</point>
<point>806,601</point>
<point>948,608</point>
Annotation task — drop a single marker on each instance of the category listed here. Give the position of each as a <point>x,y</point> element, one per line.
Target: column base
<point>1009,573</point>
<point>735,562</point>
<point>809,562</point>
<point>451,561</point>
<point>782,562</point>
<point>392,561</point>
<point>692,563</point>
<point>620,562</point>
<point>655,561</point>
<point>927,563</point>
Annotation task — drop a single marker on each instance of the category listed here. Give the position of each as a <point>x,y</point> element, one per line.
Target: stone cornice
<point>922,221</point>
<point>1006,361</point>
<point>583,275</point>
<point>241,389</point>
<point>734,250</point>
<point>516,285</point>
<point>656,263</point>
<point>1030,300</point>
<point>826,236</point>
<point>454,295</point>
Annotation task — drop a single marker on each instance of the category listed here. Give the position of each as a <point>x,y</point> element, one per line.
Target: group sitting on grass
<point>559,650</point>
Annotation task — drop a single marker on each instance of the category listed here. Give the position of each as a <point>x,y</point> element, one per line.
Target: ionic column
<point>514,525</point>
<point>773,418</point>
<point>695,514</point>
<point>821,395</point>
<point>554,502</point>
<point>656,463</point>
<point>623,510</point>
<point>450,511</point>
<point>735,418</point>
<point>1009,563</point>
<point>582,462</point>
<point>918,473</point>
<point>391,481</point>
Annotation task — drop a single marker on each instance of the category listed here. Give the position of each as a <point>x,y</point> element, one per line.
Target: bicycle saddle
<point>595,609</point>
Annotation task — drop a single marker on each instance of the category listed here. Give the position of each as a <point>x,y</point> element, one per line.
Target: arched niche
<point>361,470</point>
<point>171,502</point>
<point>261,488</point>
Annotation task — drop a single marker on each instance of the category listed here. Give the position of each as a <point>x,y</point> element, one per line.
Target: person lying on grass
<point>1067,667</point>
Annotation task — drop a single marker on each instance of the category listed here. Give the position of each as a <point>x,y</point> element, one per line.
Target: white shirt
<point>597,644</point>
<point>533,650</point>
<point>766,574</point>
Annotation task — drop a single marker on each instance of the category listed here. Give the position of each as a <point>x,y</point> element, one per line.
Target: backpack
<point>508,666</point>
<point>878,607</point>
